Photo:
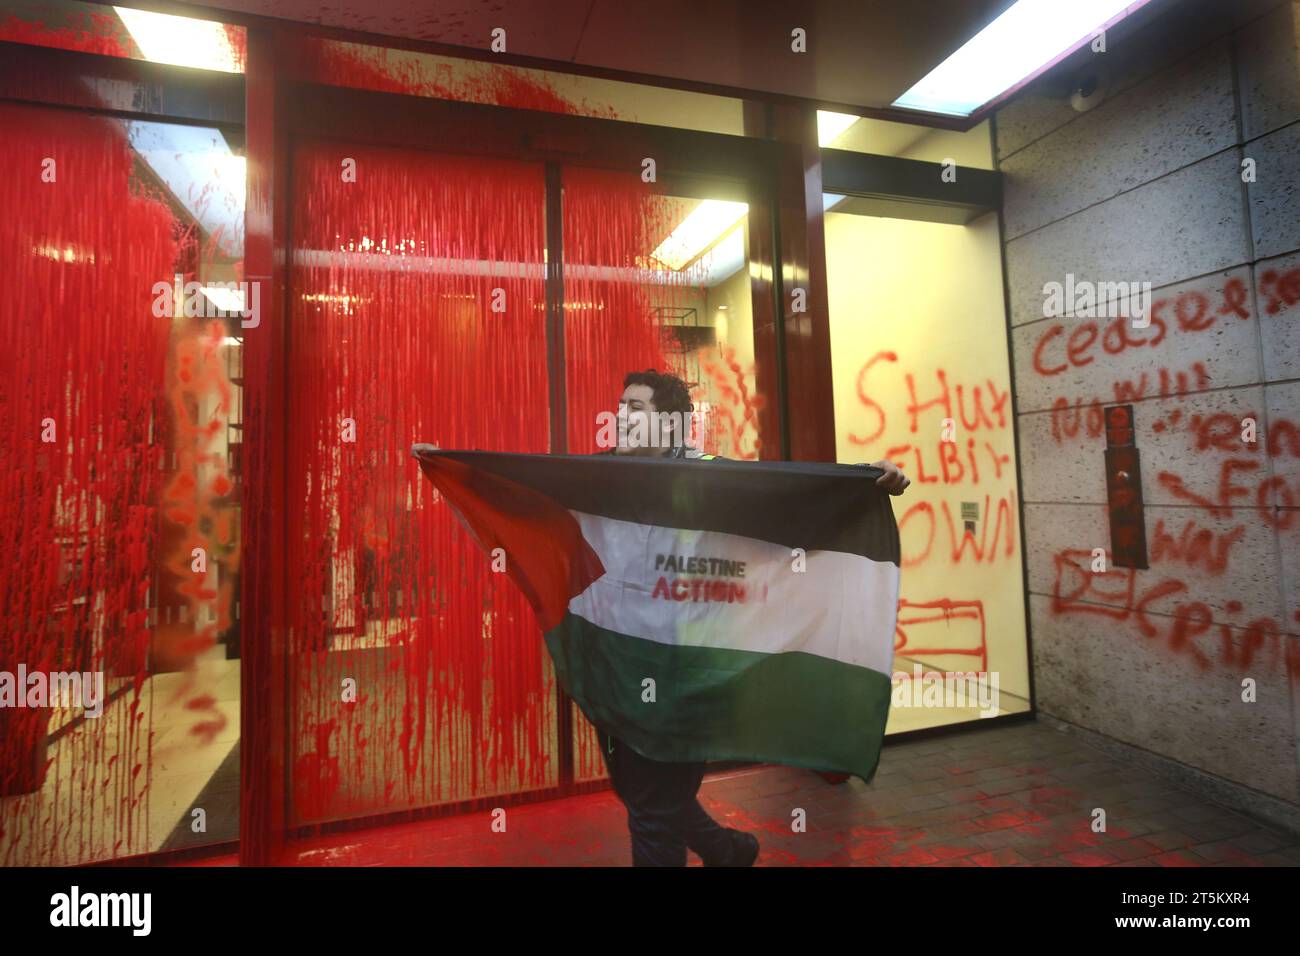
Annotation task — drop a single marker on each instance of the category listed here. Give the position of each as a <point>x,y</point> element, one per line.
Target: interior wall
<point>918,342</point>
<point>1184,177</point>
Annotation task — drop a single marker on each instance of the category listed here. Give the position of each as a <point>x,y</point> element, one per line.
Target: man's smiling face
<point>635,411</point>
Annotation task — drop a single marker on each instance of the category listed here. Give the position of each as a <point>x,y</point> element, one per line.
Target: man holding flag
<point>606,624</point>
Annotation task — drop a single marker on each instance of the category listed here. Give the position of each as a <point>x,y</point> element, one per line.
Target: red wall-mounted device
<point>1128,531</point>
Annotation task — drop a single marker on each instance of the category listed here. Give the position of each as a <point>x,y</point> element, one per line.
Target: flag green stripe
<point>711,703</point>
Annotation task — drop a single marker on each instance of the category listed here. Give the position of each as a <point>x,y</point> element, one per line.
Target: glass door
<point>479,277</point>
<point>659,276</point>
<point>417,315</point>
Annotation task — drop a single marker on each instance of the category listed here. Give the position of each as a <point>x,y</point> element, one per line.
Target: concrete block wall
<point>1148,187</point>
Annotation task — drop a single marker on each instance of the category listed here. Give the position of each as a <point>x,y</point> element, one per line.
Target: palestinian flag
<point>701,610</point>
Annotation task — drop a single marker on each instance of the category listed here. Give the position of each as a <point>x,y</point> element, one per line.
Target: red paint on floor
<point>913,814</point>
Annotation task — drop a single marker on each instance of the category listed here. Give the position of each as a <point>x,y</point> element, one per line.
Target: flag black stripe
<point>809,505</point>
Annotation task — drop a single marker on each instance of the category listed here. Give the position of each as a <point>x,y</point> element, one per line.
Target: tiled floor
<point>1021,794</point>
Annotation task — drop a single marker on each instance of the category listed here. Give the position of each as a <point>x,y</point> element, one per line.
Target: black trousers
<point>664,817</point>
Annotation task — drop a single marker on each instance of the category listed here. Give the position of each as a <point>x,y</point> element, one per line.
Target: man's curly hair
<point>671,394</point>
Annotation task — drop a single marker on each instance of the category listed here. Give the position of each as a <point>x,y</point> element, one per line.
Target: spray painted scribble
<point>1236,492</point>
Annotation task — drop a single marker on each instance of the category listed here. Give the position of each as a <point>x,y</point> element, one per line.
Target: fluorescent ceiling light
<point>180,41</point>
<point>707,223</point>
<point>831,126</point>
<point>1027,39</point>
<point>724,260</point>
<point>227,300</point>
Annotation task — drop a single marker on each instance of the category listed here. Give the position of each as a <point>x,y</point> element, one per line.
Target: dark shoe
<point>744,850</point>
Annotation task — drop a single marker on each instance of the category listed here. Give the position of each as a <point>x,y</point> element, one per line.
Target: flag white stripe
<point>841,606</point>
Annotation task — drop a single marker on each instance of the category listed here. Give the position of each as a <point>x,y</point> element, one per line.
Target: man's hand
<point>893,480</point>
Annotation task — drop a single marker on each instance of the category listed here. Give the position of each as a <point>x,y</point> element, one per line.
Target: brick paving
<point>1011,795</point>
